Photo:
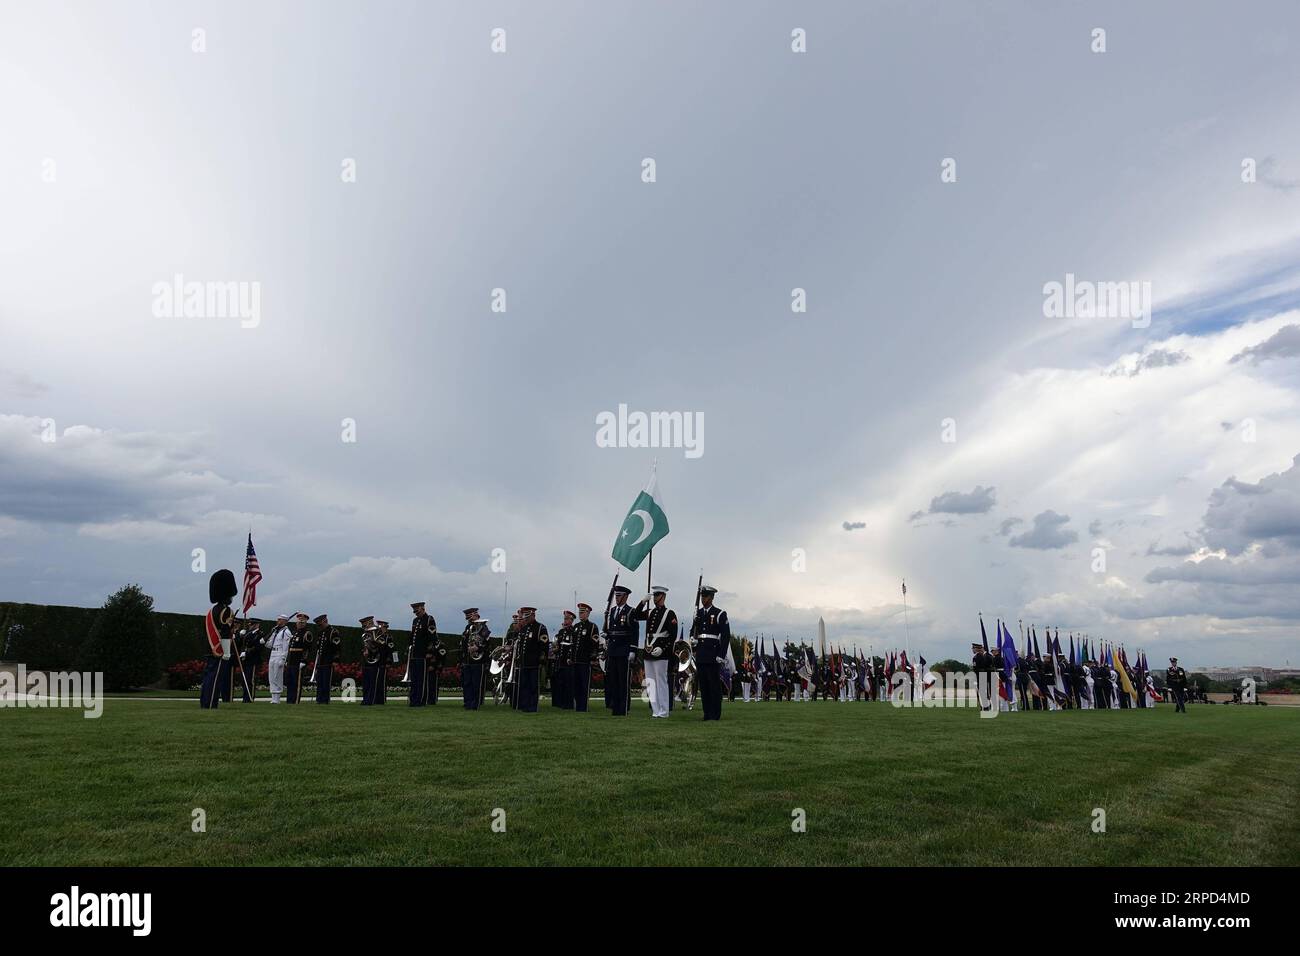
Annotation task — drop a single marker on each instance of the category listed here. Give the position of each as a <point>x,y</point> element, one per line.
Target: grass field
<point>341,785</point>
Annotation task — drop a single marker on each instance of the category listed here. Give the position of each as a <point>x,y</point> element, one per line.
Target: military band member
<point>531,641</point>
<point>585,649</point>
<point>712,633</point>
<point>372,660</point>
<point>508,682</point>
<point>473,656</point>
<point>660,633</point>
<point>565,643</point>
<point>620,637</point>
<point>300,642</point>
<point>388,655</point>
<point>249,646</point>
<point>217,628</point>
<point>328,641</point>
<point>277,646</point>
<point>422,654</point>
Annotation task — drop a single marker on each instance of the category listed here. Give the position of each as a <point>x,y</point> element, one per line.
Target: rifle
<point>699,586</point>
<point>239,664</point>
<point>609,601</point>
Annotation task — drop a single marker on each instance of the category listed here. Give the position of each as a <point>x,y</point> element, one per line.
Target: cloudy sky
<point>923,418</point>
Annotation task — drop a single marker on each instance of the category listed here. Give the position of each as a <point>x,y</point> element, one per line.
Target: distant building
<point>1259,672</point>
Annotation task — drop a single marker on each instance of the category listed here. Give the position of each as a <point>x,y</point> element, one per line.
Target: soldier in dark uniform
<point>217,624</point>
<point>1176,681</point>
<point>562,663</point>
<point>1022,683</point>
<point>620,637</point>
<point>586,647</point>
<point>300,641</point>
<point>712,634</point>
<point>1047,669</point>
<point>660,634</point>
<point>387,655</point>
<point>980,661</point>
<point>473,653</point>
<point>370,659</point>
<point>421,655</point>
<point>531,645</point>
<point>328,640</point>
<point>248,644</point>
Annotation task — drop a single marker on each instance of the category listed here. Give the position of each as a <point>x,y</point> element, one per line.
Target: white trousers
<point>656,680</point>
<point>275,674</point>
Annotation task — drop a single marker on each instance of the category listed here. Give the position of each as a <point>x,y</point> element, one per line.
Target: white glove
<point>721,660</point>
<point>655,652</point>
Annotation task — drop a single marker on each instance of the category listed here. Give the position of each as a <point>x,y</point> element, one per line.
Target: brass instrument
<point>474,644</point>
<point>682,649</point>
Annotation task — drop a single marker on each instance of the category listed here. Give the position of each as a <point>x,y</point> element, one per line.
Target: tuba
<point>682,648</point>
<point>475,643</point>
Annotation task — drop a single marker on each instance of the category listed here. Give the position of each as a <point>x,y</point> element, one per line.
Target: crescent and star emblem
<point>647,525</point>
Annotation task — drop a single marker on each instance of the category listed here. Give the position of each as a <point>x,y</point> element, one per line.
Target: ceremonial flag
<point>1009,656</point>
<point>984,635</point>
<point>643,527</point>
<point>252,575</point>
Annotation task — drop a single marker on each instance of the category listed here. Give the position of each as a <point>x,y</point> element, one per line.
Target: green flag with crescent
<point>644,525</point>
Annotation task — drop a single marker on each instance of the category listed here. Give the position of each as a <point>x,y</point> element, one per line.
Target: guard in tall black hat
<point>473,657</point>
<point>422,657</point>
<point>586,637</point>
<point>712,634</point>
<point>531,639</point>
<point>328,642</point>
<point>217,625</point>
<point>620,637</point>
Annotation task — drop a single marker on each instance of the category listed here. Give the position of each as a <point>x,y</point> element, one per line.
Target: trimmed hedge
<point>50,637</point>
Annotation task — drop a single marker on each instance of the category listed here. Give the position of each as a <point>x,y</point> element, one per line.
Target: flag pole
<point>907,636</point>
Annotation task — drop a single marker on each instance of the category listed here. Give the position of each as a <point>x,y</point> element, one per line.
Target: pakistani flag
<point>644,525</point>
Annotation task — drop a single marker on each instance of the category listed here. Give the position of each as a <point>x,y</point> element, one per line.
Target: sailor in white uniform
<point>278,645</point>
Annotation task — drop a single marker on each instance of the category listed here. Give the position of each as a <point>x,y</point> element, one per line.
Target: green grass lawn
<point>344,785</point>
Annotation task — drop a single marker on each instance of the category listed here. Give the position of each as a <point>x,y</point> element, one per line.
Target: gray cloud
<point>1008,524</point>
<point>1284,343</point>
<point>21,384</point>
<point>854,525</point>
<point>976,502</point>
<point>1156,358</point>
<point>1173,550</point>
<point>1267,172</point>
<point>1264,513</point>
<point>1049,532</point>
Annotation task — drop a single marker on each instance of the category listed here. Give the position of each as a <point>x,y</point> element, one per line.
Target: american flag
<point>252,575</point>
<point>904,589</point>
